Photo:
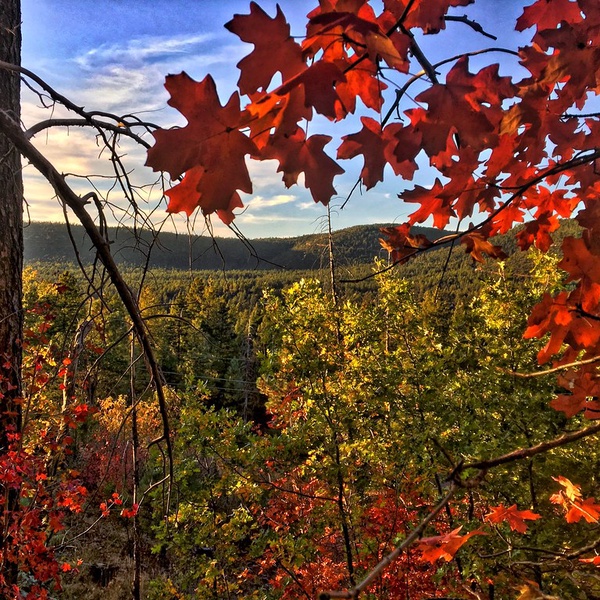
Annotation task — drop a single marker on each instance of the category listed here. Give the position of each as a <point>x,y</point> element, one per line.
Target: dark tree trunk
<point>11,257</point>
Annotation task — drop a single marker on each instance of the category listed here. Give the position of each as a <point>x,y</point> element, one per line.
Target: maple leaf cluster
<point>506,150</point>
<point>338,62</point>
<point>571,499</point>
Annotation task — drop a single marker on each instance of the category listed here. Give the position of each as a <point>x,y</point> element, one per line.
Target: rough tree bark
<point>11,258</point>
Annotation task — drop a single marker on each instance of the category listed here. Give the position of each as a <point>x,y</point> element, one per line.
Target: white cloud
<point>260,202</point>
<point>310,205</point>
<point>250,219</point>
<point>128,77</point>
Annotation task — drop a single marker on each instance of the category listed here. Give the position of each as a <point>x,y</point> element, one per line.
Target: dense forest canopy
<point>424,427</point>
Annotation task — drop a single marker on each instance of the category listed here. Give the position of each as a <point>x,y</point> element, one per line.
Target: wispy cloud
<point>143,50</point>
<point>128,77</point>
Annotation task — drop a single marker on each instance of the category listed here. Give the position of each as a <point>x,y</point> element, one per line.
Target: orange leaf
<point>572,491</point>
<point>444,546</point>
<point>514,517</point>
<point>571,499</point>
<point>361,81</point>
<point>588,510</point>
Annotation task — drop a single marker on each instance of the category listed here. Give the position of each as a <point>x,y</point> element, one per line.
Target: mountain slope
<point>51,242</point>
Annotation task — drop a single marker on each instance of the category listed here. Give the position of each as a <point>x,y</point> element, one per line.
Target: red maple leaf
<point>401,243</point>
<point>319,83</point>
<point>460,106</point>
<point>274,48</point>
<point>130,512</point>
<point>210,148</point>
<point>361,81</point>
<point>370,143</point>
<point>581,262</point>
<point>538,232</point>
<point>583,387</point>
<point>326,27</point>
<point>547,14</point>
<point>431,205</point>
<point>273,115</point>
<point>55,521</point>
<point>476,244</point>
<point>514,517</point>
<point>361,34</point>
<point>444,546</point>
<point>574,61</point>
<point>427,15</point>
<point>403,144</point>
<point>570,405</point>
<point>297,154</point>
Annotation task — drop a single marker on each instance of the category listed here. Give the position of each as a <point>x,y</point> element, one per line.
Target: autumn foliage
<point>400,448</point>
<point>504,143</point>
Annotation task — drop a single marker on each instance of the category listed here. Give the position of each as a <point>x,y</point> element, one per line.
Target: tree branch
<point>472,24</point>
<point>522,453</point>
<point>122,124</point>
<point>582,159</point>
<point>91,122</point>
<point>566,366</point>
<point>14,133</point>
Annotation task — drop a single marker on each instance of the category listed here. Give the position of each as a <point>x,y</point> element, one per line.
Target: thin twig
<point>472,24</point>
<point>566,366</point>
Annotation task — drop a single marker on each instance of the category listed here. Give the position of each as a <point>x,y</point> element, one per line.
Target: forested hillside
<point>54,242</point>
<point>310,411</point>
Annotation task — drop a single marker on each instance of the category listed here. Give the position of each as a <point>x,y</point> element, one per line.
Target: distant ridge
<point>50,242</point>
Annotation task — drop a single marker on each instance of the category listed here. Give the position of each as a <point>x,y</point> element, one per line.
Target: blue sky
<point>113,55</point>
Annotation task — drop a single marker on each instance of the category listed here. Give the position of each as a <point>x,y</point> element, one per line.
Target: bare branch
<point>472,24</point>
<point>91,122</point>
<point>522,453</point>
<point>14,133</point>
<point>120,124</point>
